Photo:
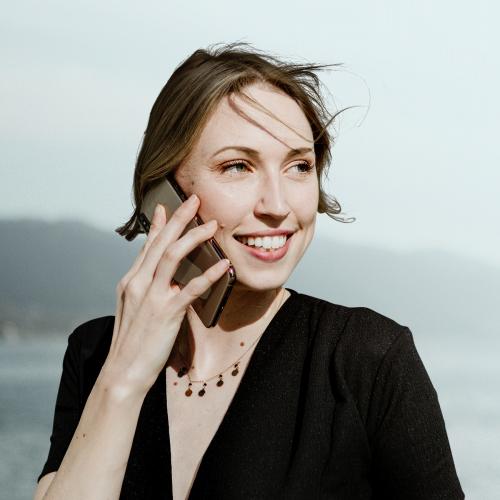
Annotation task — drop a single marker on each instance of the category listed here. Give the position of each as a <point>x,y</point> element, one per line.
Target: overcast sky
<point>418,167</point>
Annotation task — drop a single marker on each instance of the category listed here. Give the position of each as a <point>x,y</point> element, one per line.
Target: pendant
<point>235,371</point>
<point>220,382</point>
<point>201,392</point>
<point>189,391</point>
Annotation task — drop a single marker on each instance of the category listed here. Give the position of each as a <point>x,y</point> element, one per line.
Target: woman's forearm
<point>94,465</point>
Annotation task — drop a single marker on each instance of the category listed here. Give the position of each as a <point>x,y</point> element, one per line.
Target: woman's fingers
<point>175,252</point>
<point>157,224</point>
<point>169,234</point>
<point>197,286</point>
<point>139,278</point>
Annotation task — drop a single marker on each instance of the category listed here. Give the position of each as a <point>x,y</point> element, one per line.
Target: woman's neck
<point>245,316</point>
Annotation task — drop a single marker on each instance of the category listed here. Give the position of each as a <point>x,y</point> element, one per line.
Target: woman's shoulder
<point>359,330</point>
<point>360,346</point>
<point>92,335</point>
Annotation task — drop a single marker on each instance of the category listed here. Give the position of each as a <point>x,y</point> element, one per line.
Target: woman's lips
<point>268,255</point>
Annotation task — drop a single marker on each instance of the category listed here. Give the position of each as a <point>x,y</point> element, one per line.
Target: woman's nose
<point>271,198</point>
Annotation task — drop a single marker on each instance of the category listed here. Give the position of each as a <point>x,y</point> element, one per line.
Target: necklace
<point>220,382</point>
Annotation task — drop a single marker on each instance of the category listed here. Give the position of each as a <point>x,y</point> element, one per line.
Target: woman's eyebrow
<point>255,154</point>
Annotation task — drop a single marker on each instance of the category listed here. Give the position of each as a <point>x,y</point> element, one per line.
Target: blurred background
<point>416,162</point>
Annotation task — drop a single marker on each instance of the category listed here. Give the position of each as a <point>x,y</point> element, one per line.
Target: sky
<point>416,162</point>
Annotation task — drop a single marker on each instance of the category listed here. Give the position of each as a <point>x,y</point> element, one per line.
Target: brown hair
<point>191,95</point>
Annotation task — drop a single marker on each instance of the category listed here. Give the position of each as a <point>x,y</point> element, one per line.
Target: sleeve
<point>412,458</point>
<point>67,408</point>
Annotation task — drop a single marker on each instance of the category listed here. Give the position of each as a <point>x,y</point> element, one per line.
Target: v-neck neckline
<point>256,357</point>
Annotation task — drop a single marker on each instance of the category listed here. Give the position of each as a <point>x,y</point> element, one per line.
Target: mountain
<point>430,291</point>
<point>55,275</point>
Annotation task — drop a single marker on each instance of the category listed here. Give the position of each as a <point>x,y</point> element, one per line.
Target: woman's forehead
<point>235,121</point>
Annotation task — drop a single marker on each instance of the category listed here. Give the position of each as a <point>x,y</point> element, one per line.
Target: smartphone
<point>208,306</point>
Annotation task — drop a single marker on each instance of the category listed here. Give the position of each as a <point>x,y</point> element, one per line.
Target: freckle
<point>242,343</point>
<point>84,434</point>
<point>175,383</point>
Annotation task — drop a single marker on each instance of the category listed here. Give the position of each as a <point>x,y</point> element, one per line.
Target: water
<point>29,378</point>
<point>465,372</point>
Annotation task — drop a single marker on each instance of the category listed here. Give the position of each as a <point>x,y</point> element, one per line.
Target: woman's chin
<point>258,282</point>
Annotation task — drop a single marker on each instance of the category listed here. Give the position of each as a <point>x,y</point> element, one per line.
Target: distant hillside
<point>57,275</point>
<point>429,291</point>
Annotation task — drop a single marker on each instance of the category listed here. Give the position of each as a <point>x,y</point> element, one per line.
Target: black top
<point>335,403</point>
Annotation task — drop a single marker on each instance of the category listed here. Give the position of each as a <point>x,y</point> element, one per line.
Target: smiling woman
<point>296,397</point>
<point>275,193</point>
<point>202,83</point>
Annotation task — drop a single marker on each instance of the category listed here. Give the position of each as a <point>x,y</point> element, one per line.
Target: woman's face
<point>272,188</point>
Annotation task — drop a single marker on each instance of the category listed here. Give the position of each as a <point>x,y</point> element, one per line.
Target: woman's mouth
<point>267,248</point>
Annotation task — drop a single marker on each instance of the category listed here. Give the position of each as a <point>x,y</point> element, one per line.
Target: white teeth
<point>266,242</point>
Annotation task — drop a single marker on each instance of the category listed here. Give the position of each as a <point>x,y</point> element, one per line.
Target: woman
<point>288,396</point>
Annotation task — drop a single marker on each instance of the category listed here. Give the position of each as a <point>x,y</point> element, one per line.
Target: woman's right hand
<point>149,307</point>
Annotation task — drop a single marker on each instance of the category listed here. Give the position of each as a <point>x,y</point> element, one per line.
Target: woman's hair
<point>190,96</point>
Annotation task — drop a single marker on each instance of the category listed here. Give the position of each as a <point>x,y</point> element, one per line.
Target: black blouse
<point>335,403</point>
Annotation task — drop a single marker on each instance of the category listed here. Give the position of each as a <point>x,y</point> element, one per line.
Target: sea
<point>465,371</point>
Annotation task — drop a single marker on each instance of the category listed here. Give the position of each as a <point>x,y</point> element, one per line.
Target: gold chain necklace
<point>184,370</point>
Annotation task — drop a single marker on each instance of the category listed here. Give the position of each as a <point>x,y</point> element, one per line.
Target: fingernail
<point>157,211</point>
<point>192,198</point>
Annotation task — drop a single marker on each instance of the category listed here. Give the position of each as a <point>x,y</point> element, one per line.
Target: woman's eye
<point>305,166</point>
<point>231,166</point>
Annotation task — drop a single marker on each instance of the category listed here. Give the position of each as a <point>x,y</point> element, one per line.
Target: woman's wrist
<point>118,386</point>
